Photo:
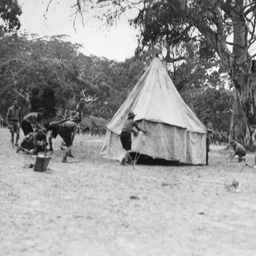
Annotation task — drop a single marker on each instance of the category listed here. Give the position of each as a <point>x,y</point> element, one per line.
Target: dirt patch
<point>92,206</point>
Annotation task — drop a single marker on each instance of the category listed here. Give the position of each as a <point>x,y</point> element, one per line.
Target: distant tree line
<point>51,72</point>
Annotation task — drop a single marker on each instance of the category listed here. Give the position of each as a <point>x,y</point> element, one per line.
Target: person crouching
<point>239,151</point>
<point>34,142</point>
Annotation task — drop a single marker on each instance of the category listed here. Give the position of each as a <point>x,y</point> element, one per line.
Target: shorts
<point>14,126</point>
<point>240,154</point>
<point>65,133</point>
<point>126,140</point>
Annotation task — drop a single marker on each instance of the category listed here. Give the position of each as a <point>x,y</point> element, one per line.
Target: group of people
<point>35,130</point>
<point>34,141</point>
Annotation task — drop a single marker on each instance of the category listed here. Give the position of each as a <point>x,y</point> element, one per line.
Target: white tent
<point>174,133</point>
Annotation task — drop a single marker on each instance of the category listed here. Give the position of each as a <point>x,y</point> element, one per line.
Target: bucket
<point>42,162</point>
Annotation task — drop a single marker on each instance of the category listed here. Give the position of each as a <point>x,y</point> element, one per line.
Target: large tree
<point>52,73</point>
<point>227,27</point>
<point>40,72</point>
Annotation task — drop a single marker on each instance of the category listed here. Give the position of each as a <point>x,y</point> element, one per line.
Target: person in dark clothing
<point>32,118</point>
<point>13,119</point>
<point>34,142</point>
<point>67,131</point>
<point>53,128</point>
<point>126,138</point>
<point>238,151</point>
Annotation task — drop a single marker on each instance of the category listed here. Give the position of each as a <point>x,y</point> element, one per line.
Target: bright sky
<point>117,42</point>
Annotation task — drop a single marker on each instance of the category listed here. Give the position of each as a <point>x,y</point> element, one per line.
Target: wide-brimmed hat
<point>131,114</point>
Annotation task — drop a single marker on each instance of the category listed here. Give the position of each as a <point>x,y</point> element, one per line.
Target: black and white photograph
<point>127,127</point>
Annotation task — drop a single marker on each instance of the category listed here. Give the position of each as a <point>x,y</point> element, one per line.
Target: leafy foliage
<point>34,71</point>
<point>9,12</point>
<point>53,73</point>
<point>216,105</point>
<point>225,31</point>
<point>160,20</point>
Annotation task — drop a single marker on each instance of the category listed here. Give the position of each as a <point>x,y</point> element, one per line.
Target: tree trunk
<point>243,116</point>
<point>238,120</point>
<point>244,81</point>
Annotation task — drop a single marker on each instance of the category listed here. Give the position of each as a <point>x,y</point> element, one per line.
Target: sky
<point>117,42</point>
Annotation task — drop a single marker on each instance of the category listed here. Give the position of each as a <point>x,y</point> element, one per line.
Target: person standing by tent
<point>126,138</point>
<point>32,118</point>
<point>13,119</point>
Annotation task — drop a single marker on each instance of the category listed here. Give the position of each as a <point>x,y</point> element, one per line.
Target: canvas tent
<point>174,133</point>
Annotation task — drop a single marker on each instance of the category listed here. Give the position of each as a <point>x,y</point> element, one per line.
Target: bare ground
<point>92,206</point>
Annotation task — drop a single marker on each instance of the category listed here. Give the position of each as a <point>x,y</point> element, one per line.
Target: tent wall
<point>161,141</point>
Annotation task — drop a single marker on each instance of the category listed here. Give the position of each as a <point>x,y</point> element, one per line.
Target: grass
<point>93,206</point>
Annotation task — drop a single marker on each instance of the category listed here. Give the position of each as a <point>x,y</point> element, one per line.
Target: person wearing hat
<point>126,138</point>
<point>67,131</point>
<point>239,151</point>
<point>35,118</point>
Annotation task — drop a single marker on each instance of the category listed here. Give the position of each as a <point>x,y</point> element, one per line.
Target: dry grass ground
<point>93,207</point>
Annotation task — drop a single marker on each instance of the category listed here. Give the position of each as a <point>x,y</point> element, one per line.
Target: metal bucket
<point>42,162</point>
